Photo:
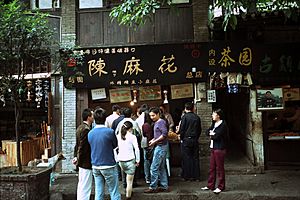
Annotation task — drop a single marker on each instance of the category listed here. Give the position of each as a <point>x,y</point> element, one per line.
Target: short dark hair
<point>127,112</point>
<point>100,116</point>
<point>87,112</point>
<point>189,105</point>
<point>156,110</point>
<point>143,108</point>
<point>115,107</point>
<point>219,112</point>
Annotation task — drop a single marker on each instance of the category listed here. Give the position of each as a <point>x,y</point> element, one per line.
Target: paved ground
<point>242,182</point>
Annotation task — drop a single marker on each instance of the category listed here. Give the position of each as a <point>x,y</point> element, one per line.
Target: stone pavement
<point>242,183</point>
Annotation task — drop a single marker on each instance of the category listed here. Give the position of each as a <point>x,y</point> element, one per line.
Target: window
<point>180,1</point>
<point>90,4</point>
<point>44,4</point>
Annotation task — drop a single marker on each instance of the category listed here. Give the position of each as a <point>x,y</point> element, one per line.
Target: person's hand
<point>211,133</point>
<point>137,164</point>
<point>74,161</point>
<point>152,142</point>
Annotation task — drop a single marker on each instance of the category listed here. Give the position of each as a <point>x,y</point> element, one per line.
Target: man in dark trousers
<point>82,156</point>
<point>190,130</point>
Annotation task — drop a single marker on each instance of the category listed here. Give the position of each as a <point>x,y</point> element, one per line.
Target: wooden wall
<point>95,28</point>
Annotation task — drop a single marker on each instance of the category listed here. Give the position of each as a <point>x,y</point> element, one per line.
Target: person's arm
<point>164,131</point>
<point>219,131</point>
<point>136,151</point>
<point>114,140</point>
<point>209,129</point>
<point>182,126</point>
<point>170,121</point>
<point>199,128</point>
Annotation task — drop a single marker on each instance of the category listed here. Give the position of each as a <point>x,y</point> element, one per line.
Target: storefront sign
<point>98,93</point>
<point>150,93</point>
<point>120,95</point>
<point>140,65</point>
<point>145,65</point>
<point>277,64</point>
<point>182,91</point>
<point>233,57</point>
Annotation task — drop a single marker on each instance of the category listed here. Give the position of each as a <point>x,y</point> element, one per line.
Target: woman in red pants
<point>218,133</point>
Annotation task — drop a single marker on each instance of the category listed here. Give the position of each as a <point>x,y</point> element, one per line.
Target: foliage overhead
<point>24,38</point>
<point>137,12</point>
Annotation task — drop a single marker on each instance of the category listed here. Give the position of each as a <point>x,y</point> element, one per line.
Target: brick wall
<point>200,11</point>
<point>69,97</point>
<point>204,110</point>
<point>69,128</point>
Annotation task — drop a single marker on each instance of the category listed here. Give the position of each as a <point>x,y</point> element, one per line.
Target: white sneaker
<point>217,191</point>
<point>205,188</point>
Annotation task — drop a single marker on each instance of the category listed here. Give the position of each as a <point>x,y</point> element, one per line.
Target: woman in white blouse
<point>129,154</point>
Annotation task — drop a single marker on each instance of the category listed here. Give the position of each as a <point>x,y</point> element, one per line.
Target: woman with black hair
<point>129,154</point>
<point>218,133</point>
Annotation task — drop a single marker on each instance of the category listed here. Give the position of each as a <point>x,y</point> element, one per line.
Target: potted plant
<point>25,37</point>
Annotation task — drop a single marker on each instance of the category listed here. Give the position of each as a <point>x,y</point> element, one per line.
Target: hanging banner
<point>182,91</point>
<point>150,93</point>
<point>120,95</point>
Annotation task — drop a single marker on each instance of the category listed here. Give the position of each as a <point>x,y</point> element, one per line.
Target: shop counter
<point>28,151</point>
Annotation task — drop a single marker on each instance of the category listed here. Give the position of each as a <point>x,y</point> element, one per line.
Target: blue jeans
<point>158,167</point>
<point>147,164</point>
<point>110,176</point>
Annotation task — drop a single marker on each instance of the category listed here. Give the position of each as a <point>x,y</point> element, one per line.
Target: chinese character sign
<point>232,57</point>
<point>143,65</point>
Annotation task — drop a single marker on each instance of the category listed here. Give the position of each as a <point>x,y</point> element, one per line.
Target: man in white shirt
<point>127,113</point>
<point>110,119</point>
<point>141,119</point>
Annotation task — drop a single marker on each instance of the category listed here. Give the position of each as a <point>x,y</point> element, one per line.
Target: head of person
<point>100,116</point>
<point>147,118</point>
<point>116,108</point>
<point>143,108</point>
<point>126,127</point>
<point>217,115</point>
<point>127,112</point>
<point>189,106</point>
<point>269,94</point>
<point>162,108</point>
<point>87,115</point>
<point>154,113</point>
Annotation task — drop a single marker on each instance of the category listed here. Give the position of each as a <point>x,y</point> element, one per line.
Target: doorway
<point>236,111</point>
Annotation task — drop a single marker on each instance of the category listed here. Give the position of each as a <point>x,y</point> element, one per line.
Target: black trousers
<point>190,159</point>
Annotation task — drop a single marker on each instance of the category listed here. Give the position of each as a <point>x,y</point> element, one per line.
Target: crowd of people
<point>118,146</point>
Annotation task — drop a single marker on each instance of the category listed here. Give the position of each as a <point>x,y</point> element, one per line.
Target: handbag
<point>144,142</point>
<point>149,152</point>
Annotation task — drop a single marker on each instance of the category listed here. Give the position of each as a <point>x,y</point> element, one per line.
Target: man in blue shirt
<point>103,141</point>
